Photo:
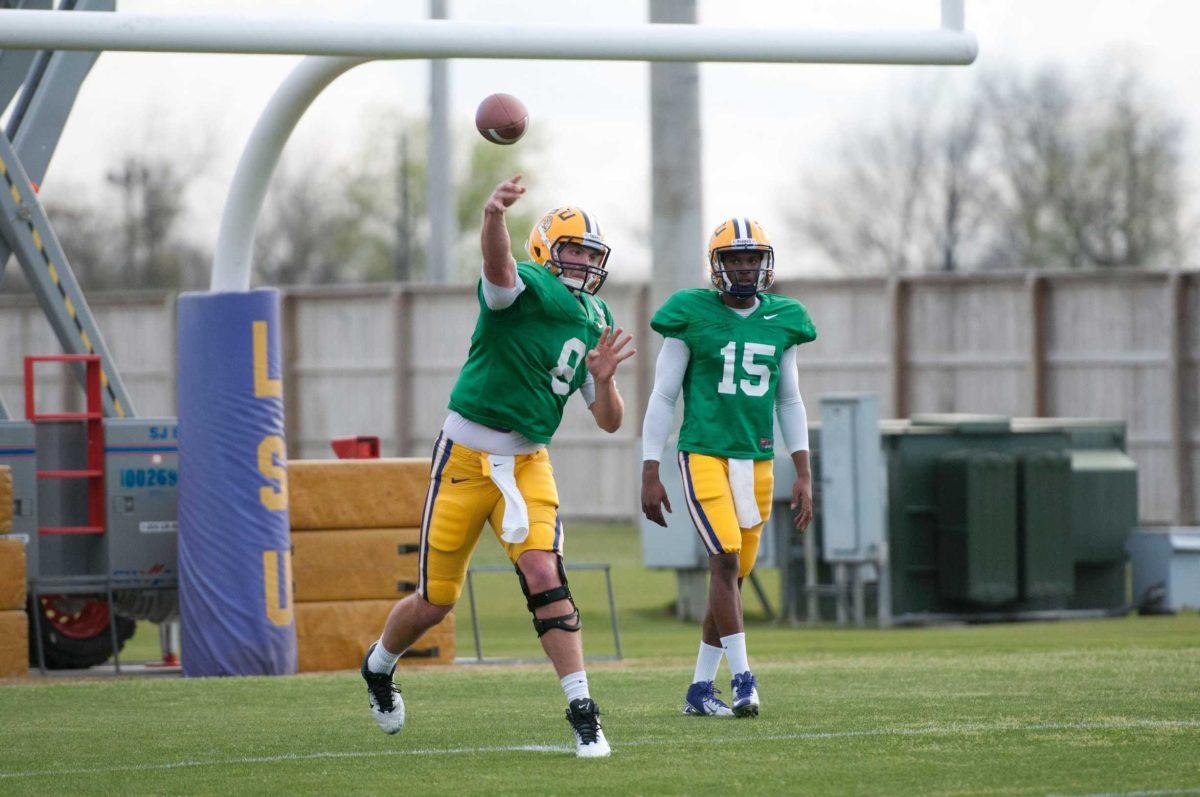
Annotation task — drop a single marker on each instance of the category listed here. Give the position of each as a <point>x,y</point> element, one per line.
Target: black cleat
<point>387,707</point>
<point>584,716</point>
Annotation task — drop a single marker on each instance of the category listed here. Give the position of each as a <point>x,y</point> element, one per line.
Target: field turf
<point>1097,707</point>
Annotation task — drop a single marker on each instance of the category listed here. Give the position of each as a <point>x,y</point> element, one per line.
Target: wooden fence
<point>380,359</point>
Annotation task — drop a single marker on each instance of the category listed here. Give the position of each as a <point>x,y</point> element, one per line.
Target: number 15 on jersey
<point>758,375</point>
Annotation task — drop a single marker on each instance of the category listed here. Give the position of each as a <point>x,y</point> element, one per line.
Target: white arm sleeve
<point>660,412</point>
<point>588,389</point>
<point>498,298</point>
<point>793,419</point>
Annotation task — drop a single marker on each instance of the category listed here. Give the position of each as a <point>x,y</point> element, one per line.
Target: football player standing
<point>731,349</point>
<point>541,335</point>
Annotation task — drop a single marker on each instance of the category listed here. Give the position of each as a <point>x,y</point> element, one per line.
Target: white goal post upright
<point>339,45</point>
<point>233,258</point>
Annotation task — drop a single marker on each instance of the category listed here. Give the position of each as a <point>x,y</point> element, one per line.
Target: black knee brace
<point>567,622</point>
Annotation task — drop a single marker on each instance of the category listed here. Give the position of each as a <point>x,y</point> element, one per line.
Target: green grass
<point>1063,708</point>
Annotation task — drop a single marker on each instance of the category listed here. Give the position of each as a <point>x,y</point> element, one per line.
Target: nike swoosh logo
<point>456,481</point>
<point>769,317</point>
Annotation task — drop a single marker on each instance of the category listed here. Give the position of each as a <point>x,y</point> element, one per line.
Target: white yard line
<point>1150,793</point>
<point>930,730</point>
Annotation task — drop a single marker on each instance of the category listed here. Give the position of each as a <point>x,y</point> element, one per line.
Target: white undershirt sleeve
<point>588,390</point>
<point>497,297</point>
<point>660,412</point>
<point>793,418</point>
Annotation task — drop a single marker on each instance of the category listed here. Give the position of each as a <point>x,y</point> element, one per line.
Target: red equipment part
<point>360,447</point>
<point>94,418</point>
<point>76,618</point>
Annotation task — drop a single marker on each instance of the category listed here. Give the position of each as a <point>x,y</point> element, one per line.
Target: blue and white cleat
<point>387,707</point>
<point>745,695</point>
<point>702,701</point>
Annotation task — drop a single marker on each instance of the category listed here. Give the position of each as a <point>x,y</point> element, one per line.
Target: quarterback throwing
<point>541,336</point>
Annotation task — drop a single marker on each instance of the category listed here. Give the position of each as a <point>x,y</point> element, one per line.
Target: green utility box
<point>1044,558</point>
<point>995,517</point>
<point>977,527</point>
<point>1103,504</point>
<point>1103,586</point>
<point>912,452</point>
<point>1082,433</point>
<point>1103,507</point>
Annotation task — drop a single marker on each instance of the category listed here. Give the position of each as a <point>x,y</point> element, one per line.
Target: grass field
<point>1051,708</point>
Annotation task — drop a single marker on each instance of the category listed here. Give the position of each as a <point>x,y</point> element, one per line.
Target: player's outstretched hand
<point>654,499</point>
<point>802,503</point>
<point>603,360</point>
<point>504,195</point>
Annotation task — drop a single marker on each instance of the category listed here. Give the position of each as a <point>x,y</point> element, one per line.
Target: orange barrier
<point>14,644</point>
<point>12,574</point>
<point>335,635</point>
<point>354,564</point>
<point>6,500</point>
<point>325,494</point>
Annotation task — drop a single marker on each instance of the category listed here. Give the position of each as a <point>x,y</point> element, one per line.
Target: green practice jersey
<point>528,358</point>
<point>733,369</point>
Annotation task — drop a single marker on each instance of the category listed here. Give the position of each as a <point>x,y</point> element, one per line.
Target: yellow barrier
<point>357,564</point>
<point>14,644</point>
<point>12,574</point>
<point>335,635</point>
<point>329,494</point>
<point>6,499</point>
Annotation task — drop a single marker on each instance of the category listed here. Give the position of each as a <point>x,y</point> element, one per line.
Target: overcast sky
<point>764,126</point>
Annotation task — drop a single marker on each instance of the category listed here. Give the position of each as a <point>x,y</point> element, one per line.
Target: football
<point>501,118</point>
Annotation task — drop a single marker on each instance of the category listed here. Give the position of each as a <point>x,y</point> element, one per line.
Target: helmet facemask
<point>579,277</point>
<point>741,281</point>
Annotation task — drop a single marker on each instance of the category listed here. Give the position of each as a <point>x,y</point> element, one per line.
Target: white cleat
<point>387,707</point>
<point>583,714</point>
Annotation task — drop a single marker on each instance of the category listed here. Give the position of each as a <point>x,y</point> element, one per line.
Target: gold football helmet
<point>570,226</point>
<point>733,240</point>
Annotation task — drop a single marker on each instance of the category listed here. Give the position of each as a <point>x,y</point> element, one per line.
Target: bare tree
<point>1031,132</point>
<point>85,234</point>
<point>1037,170</point>
<point>131,232</point>
<point>292,244</point>
<point>956,203</point>
<point>1127,182</point>
<point>875,236</point>
<point>152,200</point>
<point>355,221</point>
<point>906,195</point>
<point>366,220</point>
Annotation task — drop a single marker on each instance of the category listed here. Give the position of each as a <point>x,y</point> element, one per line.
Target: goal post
<point>375,38</point>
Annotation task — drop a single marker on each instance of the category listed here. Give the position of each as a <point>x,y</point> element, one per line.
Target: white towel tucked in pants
<point>501,470</point>
<point>741,483</point>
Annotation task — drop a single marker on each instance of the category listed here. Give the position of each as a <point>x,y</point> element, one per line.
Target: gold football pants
<point>461,497</point>
<point>710,502</point>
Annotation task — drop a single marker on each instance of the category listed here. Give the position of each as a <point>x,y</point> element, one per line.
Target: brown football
<point>501,118</point>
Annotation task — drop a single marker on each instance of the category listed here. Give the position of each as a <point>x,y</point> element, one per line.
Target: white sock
<point>381,659</point>
<point>735,651</point>
<point>707,663</point>
<point>575,685</point>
